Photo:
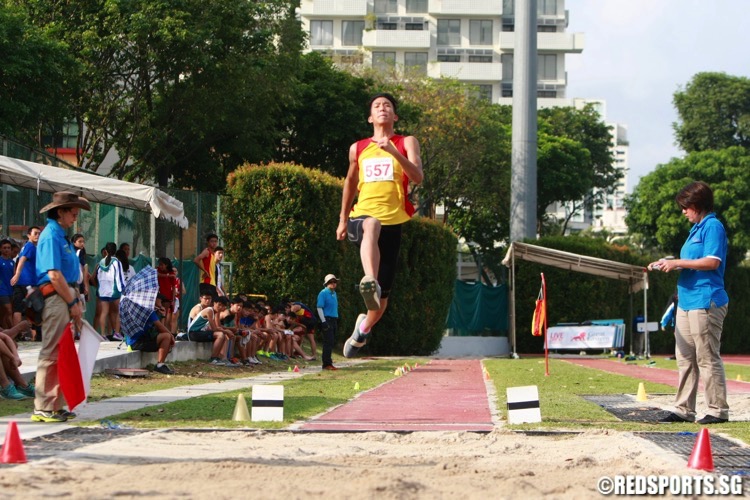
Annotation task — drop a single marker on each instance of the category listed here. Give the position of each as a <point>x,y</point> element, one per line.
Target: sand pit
<point>286,465</point>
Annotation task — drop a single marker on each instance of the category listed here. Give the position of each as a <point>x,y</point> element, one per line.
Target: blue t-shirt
<point>329,302</point>
<point>54,251</point>
<point>132,339</point>
<point>698,289</point>
<point>28,273</point>
<point>7,269</point>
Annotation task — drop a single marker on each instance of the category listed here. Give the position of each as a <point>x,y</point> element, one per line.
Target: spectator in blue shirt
<point>58,269</point>
<point>701,308</point>
<point>328,311</point>
<point>6,290</point>
<point>25,275</point>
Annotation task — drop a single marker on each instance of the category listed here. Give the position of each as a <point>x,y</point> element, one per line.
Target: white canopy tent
<point>93,187</point>
<point>636,276</point>
<point>96,188</point>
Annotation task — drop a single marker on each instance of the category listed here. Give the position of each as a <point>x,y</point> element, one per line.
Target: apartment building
<point>470,40</point>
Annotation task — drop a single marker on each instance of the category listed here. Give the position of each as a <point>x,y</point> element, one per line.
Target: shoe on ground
<point>11,392</point>
<point>163,368</point>
<point>673,418</point>
<point>47,417</point>
<point>710,419</point>
<point>356,341</point>
<point>27,391</point>
<point>330,367</point>
<point>217,362</point>
<point>370,291</point>
<point>253,360</point>
<point>69,415</point>
<point>247,362</point>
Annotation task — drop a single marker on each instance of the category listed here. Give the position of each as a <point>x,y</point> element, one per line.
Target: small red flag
<point>539,320</point>
<point>69,370</point>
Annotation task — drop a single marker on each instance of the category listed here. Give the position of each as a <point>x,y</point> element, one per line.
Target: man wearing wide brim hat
<point>58,269</point>
<point>328,311</point>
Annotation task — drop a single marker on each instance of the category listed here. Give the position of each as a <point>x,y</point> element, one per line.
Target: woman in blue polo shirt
<point>701,308</point>
<point>58,269</point>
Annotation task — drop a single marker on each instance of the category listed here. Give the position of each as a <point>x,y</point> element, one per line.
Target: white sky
<point>637,53</point>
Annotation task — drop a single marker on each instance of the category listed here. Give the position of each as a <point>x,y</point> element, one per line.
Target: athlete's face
<point>381,111</point>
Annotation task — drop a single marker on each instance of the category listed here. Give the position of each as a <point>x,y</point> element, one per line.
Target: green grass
<point>303,398</point>
<point>563,407</point>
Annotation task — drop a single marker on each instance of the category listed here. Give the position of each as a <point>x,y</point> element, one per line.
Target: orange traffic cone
<point>296,369</point>
<point>13,448</point>
<point>702,458</point>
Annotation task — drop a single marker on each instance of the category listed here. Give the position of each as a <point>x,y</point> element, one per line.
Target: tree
<point>35,76</point>
<point>714,112</point>
<point>181,90</point>
<point>575,162</point>
<point>654,214</point>
<point>324,115</point>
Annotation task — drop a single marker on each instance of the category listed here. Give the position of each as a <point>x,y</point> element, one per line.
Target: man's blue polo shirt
<point>54,251</point>
<point>28,273</point>
<point>329,302</point>
<point>698,289</point>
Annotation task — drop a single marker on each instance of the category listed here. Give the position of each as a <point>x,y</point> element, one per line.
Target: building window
<point>546,7</point>
<point>416,6</point>
<point>551,94</point>
<point>449,32</point>
<point>546,28</point>
<point>416,62</point>
<point>321,33</point>
<point>507,61</point>
<point>414,26</point>
<point>387,26</point>
<point>508,7</point>
<point>480,59</point>
<point>547,67</point>
<point>351,32</point>
<point>480,32</point>
<point>383,60</point>
<point>386,6</point>
<point>484,92</point>
<point>448,58</point>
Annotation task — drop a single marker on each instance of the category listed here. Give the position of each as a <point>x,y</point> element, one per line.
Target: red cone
<point>13,448</point>
<point>702,458</point>
<point>296,369</point>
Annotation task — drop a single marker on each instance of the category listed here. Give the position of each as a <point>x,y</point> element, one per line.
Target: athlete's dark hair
<point>382,94</point>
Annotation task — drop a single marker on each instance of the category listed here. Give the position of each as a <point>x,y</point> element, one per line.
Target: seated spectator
<point>306,316</point>
<point>205,300</point>
<point>155,337</point>
<point>12,383</point>
<point>206,328</point>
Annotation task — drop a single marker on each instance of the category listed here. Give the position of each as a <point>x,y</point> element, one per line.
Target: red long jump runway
<point>657,375</point>
<point>442,395</point>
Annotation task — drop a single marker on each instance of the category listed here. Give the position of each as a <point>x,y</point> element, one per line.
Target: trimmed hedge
<point>576,297</point>
<point>279,230</point>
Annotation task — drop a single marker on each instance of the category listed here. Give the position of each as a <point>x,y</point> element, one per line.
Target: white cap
<point>328,278</point>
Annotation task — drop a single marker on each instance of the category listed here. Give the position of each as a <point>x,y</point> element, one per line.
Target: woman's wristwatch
<point>73,302</point>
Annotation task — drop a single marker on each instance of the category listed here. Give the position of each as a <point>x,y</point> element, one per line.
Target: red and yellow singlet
<point>383,184</point>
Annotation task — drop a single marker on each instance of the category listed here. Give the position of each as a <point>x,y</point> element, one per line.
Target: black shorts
<point>147,343</point>
<point>19,293</point>
<point>389,244</point>
<point>201,336</point>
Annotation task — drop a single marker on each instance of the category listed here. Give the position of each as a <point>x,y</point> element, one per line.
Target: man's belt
<point>48,290</point>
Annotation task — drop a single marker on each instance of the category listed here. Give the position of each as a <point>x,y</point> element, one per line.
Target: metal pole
<point>523,155</point>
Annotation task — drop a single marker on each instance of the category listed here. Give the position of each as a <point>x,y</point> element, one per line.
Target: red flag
<point>539,320</point>
<point>69,370</point>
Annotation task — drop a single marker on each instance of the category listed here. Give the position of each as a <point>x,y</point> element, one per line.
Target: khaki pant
<point>698,340</point>
<point>55,317</point>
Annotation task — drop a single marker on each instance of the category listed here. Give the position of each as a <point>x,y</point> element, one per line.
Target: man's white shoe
<point>357,340</point>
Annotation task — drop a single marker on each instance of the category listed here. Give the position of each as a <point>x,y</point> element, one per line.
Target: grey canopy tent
<point>636,276</point>
<point>97,188</point>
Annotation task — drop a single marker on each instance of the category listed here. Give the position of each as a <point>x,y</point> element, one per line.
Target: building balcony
<point>571,43</point>
<point>466,71</point>
<point>467,7</point>
<point>396,39</point>
<point>333,8</point>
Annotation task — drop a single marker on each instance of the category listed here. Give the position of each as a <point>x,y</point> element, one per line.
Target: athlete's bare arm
<point>350,190</point>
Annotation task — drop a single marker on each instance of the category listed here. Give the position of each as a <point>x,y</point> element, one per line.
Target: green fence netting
<point>478,310</point>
